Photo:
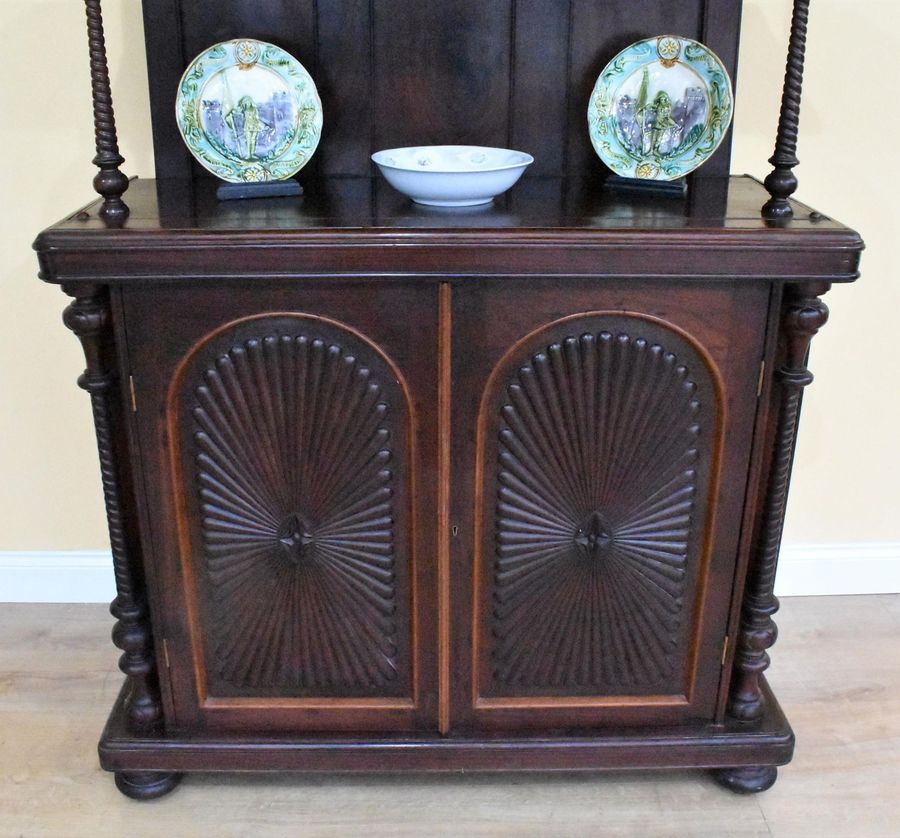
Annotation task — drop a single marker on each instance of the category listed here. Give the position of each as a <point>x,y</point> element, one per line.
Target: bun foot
<point>146,785</point>
<point>748,779</point>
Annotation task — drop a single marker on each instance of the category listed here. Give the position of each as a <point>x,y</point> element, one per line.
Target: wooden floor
<point>836,671</point>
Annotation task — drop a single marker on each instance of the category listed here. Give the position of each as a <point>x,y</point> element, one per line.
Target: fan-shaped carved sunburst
<point>597,477</point>
<point>293,455</point>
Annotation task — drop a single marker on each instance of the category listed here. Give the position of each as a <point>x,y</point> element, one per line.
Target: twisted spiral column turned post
<point>110,182</point>
<point>782,182</point>
<point>804,314</point>
<point>88,317</point>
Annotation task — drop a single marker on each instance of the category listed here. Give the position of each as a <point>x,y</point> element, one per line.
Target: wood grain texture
<point>347,83</point>
<point>543,227</point>
<point>442,72</point>
<point>166,61</point>
<point>538,95</point>
<point>723,39</point>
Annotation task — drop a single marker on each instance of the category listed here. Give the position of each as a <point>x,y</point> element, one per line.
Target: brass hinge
<point>133,394</point>
<point>725,649</point>
<point>761,379</point>
<point>165,646</point>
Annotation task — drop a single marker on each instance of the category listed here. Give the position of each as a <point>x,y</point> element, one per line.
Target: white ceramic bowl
<point>452,175</point>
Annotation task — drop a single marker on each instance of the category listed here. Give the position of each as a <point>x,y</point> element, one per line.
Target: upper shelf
<point>509,73</point>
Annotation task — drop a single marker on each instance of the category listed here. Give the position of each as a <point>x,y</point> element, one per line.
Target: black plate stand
<point>268,189</point>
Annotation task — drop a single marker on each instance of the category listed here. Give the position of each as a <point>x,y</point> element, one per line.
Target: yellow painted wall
<point>846,486</point>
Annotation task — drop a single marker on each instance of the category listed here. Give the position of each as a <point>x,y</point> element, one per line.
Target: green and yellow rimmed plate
<point>249,111</point>
<point>660,108</point>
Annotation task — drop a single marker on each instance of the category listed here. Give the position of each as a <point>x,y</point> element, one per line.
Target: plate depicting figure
<point>249,111</point>
<point>660,108</point>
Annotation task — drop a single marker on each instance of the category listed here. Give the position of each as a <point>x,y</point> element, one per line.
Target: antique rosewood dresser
<point>392,488</point>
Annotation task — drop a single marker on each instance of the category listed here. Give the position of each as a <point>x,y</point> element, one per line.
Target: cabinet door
<point>602,436</point>
<point>287,438</point>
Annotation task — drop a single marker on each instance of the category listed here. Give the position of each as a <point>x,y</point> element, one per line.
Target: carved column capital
<point>86,316</point>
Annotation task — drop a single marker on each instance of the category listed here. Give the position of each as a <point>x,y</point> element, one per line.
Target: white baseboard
<point>871,567</point>
<point>803,570</point>
<point>63,576</point>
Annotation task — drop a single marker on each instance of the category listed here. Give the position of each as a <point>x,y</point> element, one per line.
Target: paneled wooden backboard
<point>511,73</point>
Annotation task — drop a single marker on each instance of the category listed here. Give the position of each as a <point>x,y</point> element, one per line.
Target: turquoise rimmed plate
<point>249,111</point>
<point>660,108</point>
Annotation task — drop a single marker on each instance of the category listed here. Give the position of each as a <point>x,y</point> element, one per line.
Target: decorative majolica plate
<point>660,108</point>
<point>249,111</point>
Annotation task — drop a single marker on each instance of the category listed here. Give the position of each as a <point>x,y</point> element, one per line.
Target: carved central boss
<point>594,538</point>
<point>295,538</point>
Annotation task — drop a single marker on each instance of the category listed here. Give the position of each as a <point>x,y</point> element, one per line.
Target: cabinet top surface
<point>342,205</point>
<point>361,226</point>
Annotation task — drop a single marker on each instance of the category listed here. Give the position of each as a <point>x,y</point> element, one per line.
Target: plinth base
<point>739,750</point>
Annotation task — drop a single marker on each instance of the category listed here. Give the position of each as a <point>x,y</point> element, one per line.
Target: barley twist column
<point>804,315</point>
<point>88,317</point>
<point>109,182</point>
<point>782,182</point>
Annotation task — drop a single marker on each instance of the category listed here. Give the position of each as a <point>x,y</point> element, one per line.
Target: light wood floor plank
<point>836,670</point>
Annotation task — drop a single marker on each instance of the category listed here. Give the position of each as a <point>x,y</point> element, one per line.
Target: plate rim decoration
<point>245,54</point>
<point>668,50</point>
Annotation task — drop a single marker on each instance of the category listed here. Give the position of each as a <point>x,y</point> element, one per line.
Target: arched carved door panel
<point>291,441</point>
<point>597,488</point>
<point>599,454</point>
<point>292,460</point>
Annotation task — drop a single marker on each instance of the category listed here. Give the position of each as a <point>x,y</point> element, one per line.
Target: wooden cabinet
<point>491,496</point>
<point>390,488</point>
